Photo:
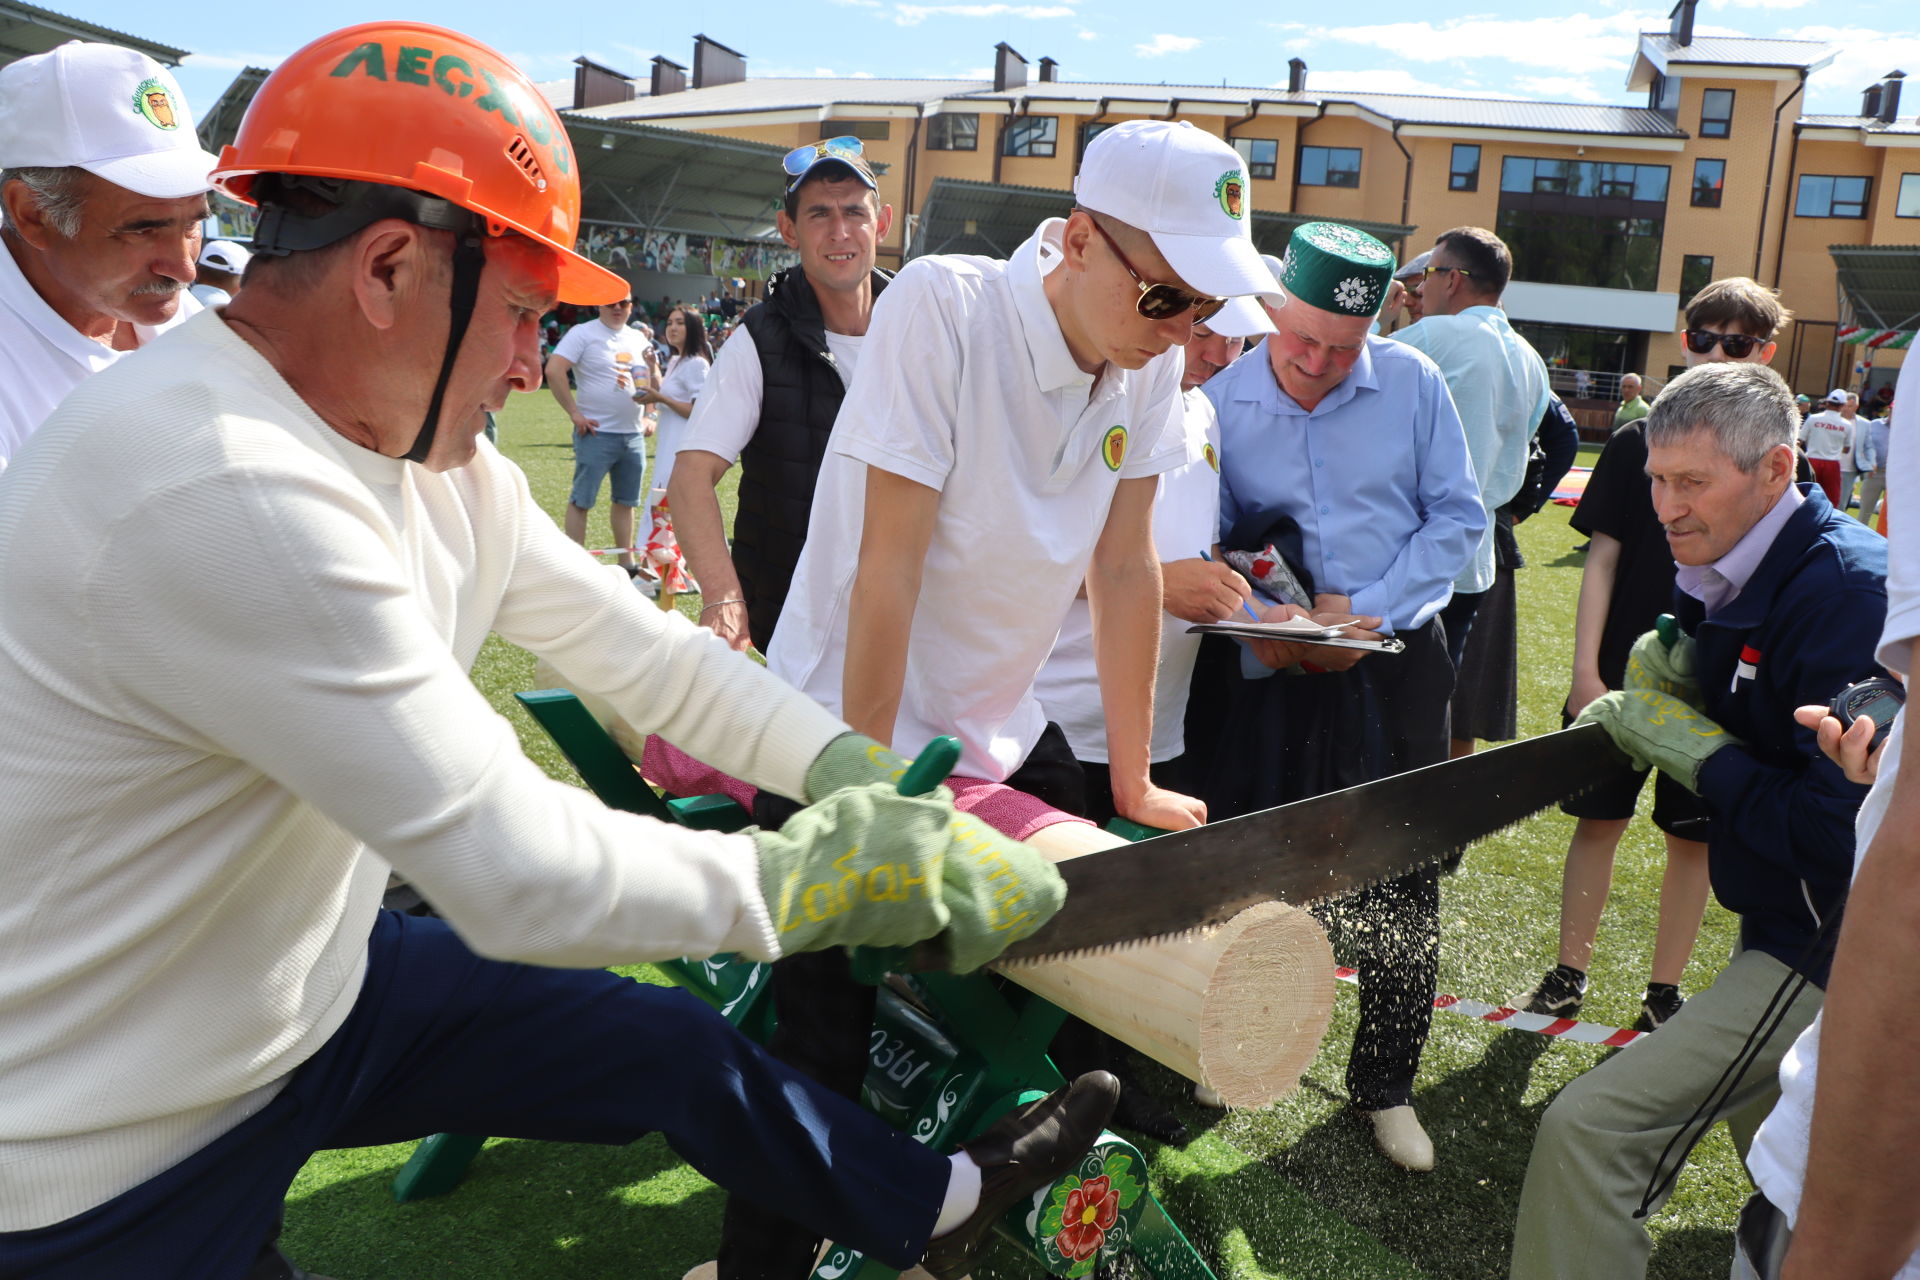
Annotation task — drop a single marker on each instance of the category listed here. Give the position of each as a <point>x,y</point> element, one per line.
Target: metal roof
<point>1880,284</point>
<point>1506,113</point>
<point>994,219</point>
<point>1869,124</point>
<point>783,93</point>
<point>1739,51</point>
<point>27,29</point>
<point>220,122</point>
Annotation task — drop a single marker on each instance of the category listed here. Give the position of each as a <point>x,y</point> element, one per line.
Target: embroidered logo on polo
<point>1208,452</point>
<point>1748,668</point>
<point>1230,191</point>
<point>1113,449</point>
<point>154,101</point>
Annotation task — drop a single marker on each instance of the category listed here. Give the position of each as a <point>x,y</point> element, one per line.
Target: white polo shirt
<point>1827,436</point>
<point>597,351</point>
<point>970,389</point>
<point>728,411</point>
<point>1186,520</point>
<point>42,357</point>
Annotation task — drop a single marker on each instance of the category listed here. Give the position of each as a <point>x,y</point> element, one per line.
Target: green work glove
<point>997,891</point>
<point>852,760</point>
<point>860,868</point>
<point>1669,669</point>
<point>1659,731</point>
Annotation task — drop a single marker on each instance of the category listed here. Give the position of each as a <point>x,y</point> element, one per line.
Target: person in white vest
<point>103,190</point>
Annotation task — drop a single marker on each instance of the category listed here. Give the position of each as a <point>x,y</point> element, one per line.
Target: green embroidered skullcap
<point>1337,269</point>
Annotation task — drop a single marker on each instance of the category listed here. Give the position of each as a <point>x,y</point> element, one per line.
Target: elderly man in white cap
<point>102,192</point>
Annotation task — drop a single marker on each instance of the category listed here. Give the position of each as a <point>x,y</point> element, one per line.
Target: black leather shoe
<point>1024,1151</point>
<point>1141,1112</point>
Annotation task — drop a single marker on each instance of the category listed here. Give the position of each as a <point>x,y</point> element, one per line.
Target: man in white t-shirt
<point>102,194</point>
<point>218,272</point>
<point>1837,1160</point>
<point>1827,436</point>
<point>603,355</point>
<point>802,342</point>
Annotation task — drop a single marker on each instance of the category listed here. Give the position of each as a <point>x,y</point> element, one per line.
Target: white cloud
<point>1163,44</point>
<point>1865,56</point>
<point>911,15</point>
<point>857,4</point>
<point>1580,43</point>
<point>1560,88</point>
<point>1392,80</point>
<point>1758,4</point>
<point>1086,34</point>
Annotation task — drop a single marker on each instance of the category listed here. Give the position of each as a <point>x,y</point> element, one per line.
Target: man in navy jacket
<point>1782,600</point>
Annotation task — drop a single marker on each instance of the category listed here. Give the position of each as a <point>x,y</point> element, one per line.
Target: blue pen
<point>1244,604</point>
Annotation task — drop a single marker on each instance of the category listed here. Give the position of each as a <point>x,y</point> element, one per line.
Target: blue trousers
<point>443,1041</point>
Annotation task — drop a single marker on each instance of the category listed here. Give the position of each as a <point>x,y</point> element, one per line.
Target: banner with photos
<point>677,253</point>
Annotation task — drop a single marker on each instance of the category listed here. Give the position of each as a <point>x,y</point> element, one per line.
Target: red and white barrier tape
<point>1538,1023</point>
<point>614,551</point>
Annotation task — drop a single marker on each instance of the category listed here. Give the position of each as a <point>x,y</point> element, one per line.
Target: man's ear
<point>1074,240</point>
<point>1781,462</point>
<point>884,223</point>
<point>788,232</point>
<point>23,214</point>
<point>390,264</point>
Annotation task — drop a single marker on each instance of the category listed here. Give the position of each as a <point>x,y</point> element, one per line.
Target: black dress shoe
<point>1024,1151</point>
<point>1141,1112</point>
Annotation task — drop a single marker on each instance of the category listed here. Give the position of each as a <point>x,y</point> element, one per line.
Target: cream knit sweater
<point>233,674</point>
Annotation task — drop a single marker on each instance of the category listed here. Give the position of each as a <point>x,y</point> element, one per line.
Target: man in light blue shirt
<point>1498,383</point>
<point>1344,452</point>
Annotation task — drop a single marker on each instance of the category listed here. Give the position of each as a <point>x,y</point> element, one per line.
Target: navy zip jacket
<point>1804,627</point>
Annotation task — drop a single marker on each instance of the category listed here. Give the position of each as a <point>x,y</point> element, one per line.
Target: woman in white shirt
<point>680,386</point>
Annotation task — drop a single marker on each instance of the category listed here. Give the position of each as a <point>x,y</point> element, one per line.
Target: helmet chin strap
<point>469,259</point>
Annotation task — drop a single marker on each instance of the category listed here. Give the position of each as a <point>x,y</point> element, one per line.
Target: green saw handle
<point>929,769</point>
<point>1668,628</point>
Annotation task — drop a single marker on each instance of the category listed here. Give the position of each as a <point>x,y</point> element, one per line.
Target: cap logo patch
<point>1113,449</point>
<point>1229,192</point>
<point>155,101</point>
<point>1212,456</point>
<point>1354,294</point>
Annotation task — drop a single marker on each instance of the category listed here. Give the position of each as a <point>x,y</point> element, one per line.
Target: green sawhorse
<point>948,1055</point>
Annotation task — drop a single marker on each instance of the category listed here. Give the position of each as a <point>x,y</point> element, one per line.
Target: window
<point>1031,135</point>
<point>1716,113</point>
<point>1329,166</point>
<point>1708,175</point>
<point>1464,173</point>
<point>1826,196</point>
<point>1908,203</point>
<point>1583,221</point>
<point>1696,273</point>
<point>1088,132</point>
<point>949,132</point>
<point>1584,180</point>
<point>1262,156</point>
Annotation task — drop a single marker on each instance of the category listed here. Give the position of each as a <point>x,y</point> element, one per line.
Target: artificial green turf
<point>1292,1192</point>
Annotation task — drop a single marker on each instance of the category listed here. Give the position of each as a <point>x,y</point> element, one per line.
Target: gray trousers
<point>1600,1140</point>
<point>1760,1242</point>
<point>1872,485</point>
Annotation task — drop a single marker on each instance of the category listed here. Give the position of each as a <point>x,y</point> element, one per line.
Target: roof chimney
<point>1870,102</point>
<point>595,85</point>
<point>714,64</point>
<point>1009,68</point>
<point>1296,75</point>
<point>1049,71</point>
<point>1890,97</point>
<point>1682,28</point>
<point>668,76</point>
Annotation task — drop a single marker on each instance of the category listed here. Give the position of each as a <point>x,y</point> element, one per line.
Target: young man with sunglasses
<point>1344,452</point>
<point>609,436</point>
<point>775,390</point>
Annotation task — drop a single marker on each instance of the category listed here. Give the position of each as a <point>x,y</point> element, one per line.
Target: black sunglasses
<point>1163,301</point>
<point>1738,346</point>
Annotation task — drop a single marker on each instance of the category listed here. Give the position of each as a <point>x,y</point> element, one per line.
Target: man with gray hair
<point>1780,599</point>
<point>103,188</point>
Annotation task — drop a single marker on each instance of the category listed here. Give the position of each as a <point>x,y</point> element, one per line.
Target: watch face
<point>1883,708</point>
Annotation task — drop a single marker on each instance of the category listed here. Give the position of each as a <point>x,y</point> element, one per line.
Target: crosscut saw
<point>1306,852</point>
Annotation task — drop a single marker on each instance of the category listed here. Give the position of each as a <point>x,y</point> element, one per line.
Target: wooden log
<point>1241,1008</point>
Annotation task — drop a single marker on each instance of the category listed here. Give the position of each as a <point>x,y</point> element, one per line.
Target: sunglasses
<point>1430,270</point>
<point>1738,346</point>
<point>801,159</point>
<point>624,302</point>
<point>1163,301</point>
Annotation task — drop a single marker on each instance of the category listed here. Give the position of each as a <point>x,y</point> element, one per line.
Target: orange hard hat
<point>411,105</point>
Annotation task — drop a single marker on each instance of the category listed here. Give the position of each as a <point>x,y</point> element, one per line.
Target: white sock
<point>963,1194</point>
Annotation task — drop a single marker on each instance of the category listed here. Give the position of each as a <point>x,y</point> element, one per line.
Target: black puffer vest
<point>799,399</point>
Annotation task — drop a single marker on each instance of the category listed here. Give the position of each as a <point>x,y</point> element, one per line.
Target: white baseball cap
<point>1837,396</point>
<point>225,255</point>
<point>1187,190</point>
<point>114,112</point>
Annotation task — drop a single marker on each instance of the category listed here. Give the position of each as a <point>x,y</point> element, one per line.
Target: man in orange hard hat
<point>247,569</point>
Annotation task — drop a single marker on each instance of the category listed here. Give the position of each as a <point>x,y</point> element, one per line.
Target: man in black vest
<point>774,392</point>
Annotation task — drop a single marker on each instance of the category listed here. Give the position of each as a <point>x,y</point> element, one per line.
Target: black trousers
<point>823,1017</point>
<point>1289,737</point>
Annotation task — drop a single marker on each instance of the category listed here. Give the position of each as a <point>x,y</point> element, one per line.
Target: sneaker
<point>1558,995</point>
<point>1024,1151</point>
<point>1662,1001</point>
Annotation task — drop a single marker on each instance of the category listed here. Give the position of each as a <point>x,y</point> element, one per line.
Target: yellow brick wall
<point>1807,277</point>
<point>1377,198</point>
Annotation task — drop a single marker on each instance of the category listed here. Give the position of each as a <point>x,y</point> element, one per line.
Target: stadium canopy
<point>1879,286</point>
<point>27,29</point>
<point>994,219</point>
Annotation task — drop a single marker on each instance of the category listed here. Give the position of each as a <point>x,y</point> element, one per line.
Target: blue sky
<point>1567,52</point>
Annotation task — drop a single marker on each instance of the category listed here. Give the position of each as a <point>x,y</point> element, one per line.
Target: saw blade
<point>1315,849</point>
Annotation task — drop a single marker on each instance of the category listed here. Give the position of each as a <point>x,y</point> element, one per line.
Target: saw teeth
<point>1106,948</point>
